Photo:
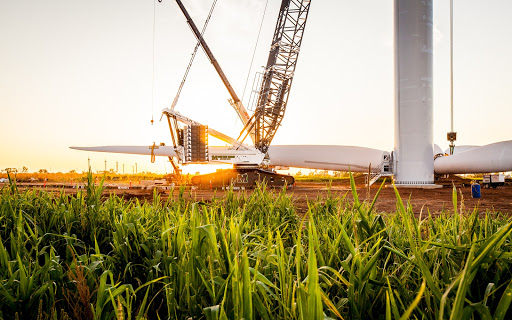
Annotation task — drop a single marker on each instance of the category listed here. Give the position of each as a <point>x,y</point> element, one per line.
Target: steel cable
<point>175,101</point>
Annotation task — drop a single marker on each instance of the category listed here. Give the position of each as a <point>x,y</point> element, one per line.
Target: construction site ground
<point>422,200</point>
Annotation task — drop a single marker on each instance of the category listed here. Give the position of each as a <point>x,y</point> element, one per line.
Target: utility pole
<point>88,162</point>
<point>123,168</point>
<point>117,163</point>
<point>135,167</point>
<point>105,166</point>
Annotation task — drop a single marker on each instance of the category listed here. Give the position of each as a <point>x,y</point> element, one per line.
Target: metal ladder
<point>384,169</point>
<point>374,175</point>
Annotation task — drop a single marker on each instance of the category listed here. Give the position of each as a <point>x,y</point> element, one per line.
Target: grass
<point>247,257</point>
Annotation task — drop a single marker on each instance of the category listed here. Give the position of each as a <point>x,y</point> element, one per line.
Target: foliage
<point>318,178</point>
<point>326,177</point>
<point>246,256</point>
<point>81,177</point>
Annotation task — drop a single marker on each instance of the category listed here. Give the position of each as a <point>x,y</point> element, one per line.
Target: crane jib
<point>237,103</point>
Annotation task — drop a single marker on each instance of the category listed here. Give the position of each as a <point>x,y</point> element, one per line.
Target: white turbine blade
<point>165,151</point>
<point>495,157</point>
<point>342,158</point>
<point>437,149</point>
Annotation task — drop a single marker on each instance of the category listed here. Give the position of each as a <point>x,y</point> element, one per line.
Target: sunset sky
<point>80,73</point>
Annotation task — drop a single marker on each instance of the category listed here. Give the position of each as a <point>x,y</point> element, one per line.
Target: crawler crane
<point>190,138</point>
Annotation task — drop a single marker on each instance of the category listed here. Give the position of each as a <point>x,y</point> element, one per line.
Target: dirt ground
<point>422,200</point>
<point>433,200</point>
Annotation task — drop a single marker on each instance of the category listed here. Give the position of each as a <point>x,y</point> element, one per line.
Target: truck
<point>493,180</point>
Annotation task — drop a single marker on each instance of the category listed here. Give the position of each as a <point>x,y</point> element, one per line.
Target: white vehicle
<point>493,180</point>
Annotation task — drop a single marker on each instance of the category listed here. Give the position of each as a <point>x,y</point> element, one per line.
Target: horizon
<point>70,81</point>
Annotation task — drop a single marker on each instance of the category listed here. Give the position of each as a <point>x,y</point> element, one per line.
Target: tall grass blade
<point>415,302</point>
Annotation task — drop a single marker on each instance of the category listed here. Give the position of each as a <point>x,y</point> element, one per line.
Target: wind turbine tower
<point>412,155</point>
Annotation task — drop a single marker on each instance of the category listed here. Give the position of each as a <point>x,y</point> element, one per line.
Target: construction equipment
<point>279,72</point>
<point>493,180</point>
<point>414,160</point>
<point>240,177</point>
<point>190,138</point>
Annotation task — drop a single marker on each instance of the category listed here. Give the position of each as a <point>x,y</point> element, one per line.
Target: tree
<point>324,173</point>
<point>43,171</point>
<point>24,169</point>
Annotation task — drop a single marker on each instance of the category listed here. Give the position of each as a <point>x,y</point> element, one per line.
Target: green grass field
<point>247,257</point>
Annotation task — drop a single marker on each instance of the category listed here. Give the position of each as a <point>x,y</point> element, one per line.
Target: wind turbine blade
<point>342,158</point>
<point>165,151</point>
<point>495,157</point>
<point>459,149</point>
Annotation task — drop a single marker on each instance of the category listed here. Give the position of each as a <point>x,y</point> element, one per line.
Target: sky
<point>88,73</point>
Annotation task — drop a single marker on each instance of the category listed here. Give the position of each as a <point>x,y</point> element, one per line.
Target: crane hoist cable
<point>452,135</point>
<point>175,101</point>
<point>252,59</point>
<point>254,51</point>
<point>153,79</point>
<point>153,147</point>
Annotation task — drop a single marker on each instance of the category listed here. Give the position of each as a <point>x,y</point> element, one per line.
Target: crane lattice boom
<point>278,76</point>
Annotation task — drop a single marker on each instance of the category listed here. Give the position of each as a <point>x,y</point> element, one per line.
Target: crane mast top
<point>278,75</point>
